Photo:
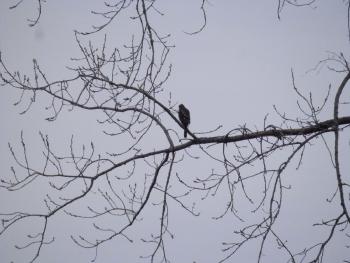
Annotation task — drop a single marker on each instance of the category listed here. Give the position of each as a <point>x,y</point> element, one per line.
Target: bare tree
<point>124,85</point>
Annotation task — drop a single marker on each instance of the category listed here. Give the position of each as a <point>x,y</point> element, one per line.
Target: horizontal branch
<point>277,132</point>
<point>325,126</point>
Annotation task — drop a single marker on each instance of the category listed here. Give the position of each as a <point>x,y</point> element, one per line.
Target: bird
<point>185,118</point>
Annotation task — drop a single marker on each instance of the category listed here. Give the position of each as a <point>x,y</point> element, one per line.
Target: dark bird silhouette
<point>185,118</point>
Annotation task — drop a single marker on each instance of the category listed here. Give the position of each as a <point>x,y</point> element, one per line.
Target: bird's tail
<point>185,133</point>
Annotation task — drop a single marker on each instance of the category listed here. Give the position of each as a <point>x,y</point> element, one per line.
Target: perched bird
<point>185,118</point>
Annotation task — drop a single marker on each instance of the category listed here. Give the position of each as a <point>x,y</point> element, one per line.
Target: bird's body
<point>185,118</point>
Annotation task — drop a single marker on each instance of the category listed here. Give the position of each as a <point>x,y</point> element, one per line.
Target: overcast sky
<point>230,74</point>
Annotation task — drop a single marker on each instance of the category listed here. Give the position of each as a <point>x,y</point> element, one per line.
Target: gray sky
<point>230,74</point>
